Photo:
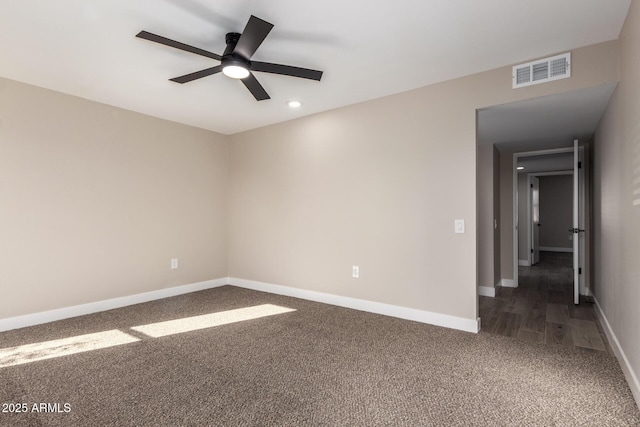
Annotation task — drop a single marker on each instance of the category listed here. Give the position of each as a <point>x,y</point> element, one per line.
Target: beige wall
<point>497,215</point>
<point>99,199</point>
<point>506,215</point>
<point>95,201</point>
<point>617,201</point>
<point>378,185</point>
<point>485,187</point>
<point>556,211</point>
<point>359,186</point>
<point>523,238</point>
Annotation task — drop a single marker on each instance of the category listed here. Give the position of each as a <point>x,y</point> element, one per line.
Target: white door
<point>581,220</point>
<point>535,220</point>
<point>576,227</point>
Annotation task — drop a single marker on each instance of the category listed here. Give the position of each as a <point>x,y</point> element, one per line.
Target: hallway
<point>541,309</point>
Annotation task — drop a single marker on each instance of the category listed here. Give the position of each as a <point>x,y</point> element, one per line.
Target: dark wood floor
<point>541,308</point>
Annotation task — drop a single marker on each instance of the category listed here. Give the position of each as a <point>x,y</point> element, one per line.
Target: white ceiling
<point>367,49</point>
<point>552,121</point>
<point>546,163</point>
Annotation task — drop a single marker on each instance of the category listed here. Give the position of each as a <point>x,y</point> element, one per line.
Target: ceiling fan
<point>235,61</point>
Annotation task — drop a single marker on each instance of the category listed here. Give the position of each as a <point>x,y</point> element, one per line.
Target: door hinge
<point>579,165</point>
<point>531,185</point>
<point>531,250</point>
<point>579,270</point>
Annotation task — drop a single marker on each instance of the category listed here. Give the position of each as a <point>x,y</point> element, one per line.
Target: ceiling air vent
<point>543,70</point>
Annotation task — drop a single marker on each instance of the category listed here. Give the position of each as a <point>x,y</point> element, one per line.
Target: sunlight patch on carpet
<point>187,324</point>
<point>62,347</point>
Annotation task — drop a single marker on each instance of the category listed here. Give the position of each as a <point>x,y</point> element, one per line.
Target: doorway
<point>541,308</point>
<point>565,183</point>
<point>529,125</point>
<point>548,222</point>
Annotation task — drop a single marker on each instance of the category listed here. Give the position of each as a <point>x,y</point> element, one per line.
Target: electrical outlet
<point>355,272</point>
<point>174,263</point>
<point>459,225</point>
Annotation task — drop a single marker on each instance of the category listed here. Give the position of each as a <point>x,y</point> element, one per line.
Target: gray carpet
<point>317,366</point>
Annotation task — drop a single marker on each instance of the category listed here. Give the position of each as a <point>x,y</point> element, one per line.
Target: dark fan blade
<point>252,36</point>
<point>172,43</point>
<point>197,75</point>
<point>287,70</point>
<point>255,88</point>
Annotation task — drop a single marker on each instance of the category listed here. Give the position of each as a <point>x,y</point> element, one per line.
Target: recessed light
<point>520,168</point>
<point>294,104</point>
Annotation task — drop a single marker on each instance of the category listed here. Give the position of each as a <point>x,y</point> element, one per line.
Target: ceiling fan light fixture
<point>236,62</point>
<point>235,71</point>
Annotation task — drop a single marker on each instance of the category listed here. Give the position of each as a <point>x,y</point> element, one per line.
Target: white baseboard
<point>628,371</point>
<point>553,249</point>
<point>95,307</point>
<point>487,291</point>
<point>507,283</point>
<point>524,263</point>
<point>453,322</point>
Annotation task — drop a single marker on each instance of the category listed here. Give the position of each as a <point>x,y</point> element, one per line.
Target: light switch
<point>459,225</point>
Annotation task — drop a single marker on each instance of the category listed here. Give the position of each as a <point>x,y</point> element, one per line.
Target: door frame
<point>514,227</point>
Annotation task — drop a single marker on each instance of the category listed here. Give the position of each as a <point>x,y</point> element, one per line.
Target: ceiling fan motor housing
<point>229,57</point>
